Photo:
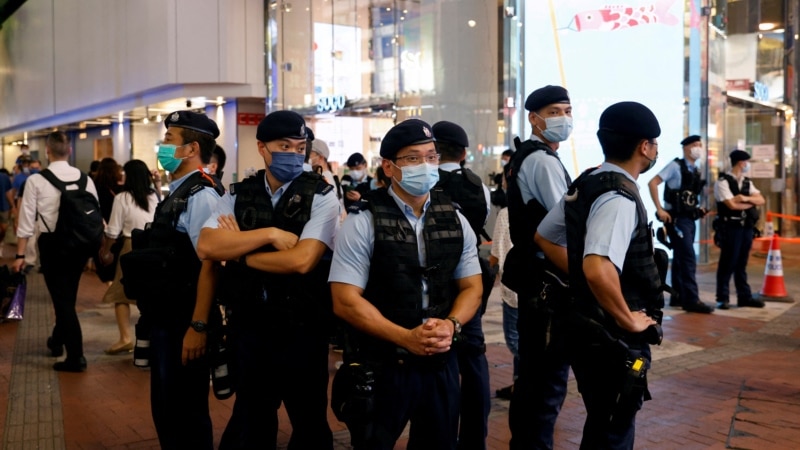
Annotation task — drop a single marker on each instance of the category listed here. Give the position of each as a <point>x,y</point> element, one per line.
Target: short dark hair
<point>616,146</point>
<point>205,140</point>
<point>58,143</point>
<point>449,152</point>
<point>219,153</point>
<point>508,152</point>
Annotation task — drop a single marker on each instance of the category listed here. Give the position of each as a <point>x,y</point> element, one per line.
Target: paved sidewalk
<point>726,380</point>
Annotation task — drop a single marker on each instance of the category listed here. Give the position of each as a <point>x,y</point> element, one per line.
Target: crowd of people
<point>387,267</point>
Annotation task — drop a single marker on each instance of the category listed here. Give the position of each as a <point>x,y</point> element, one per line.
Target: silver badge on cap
<point>302,130</point>
<point>427,132</point>
<point>174,117</point>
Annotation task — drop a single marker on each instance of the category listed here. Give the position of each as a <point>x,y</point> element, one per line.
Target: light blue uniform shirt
<point>451,166</point>
<point>671,175</point>
<point>198,208</point>
<point>541,176</point>
<point>609,228</point>
<point>355,243</point>
<point>322,225</point>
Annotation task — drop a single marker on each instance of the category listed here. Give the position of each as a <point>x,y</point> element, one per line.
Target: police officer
<point>405,276</point>
<point>679,212</point>
<point>737,201</point>
<point>357,181</point>
<point>536,180</point>
<point>276,230</point>
<point>600,235</point>
<point>472,197</point>
<point>179,373</point>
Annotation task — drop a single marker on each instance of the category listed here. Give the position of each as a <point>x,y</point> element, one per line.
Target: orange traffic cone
<point>774,289</point>
<point>766,243</point>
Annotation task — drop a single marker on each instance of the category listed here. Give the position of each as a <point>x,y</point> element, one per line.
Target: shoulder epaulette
<point>358,206</point>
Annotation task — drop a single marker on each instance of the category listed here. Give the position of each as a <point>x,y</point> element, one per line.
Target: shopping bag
<point>16,307</point>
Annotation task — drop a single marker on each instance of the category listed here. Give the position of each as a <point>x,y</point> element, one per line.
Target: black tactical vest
<point>466,189</point>
<point>523,220</point>
<point>183,265</point>
<point>640,282</point>
<point>301,298</point>
<point>746,218</point>
<point>395,276</point>
<point>684,199</point>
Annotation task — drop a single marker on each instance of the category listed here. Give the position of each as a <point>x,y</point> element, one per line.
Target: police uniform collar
<point>175,184</point>
<point>611,167</point>
<point>407,209</point>
<point>449,166</point>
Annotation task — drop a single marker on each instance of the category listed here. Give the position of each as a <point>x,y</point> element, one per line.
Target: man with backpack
<point>466,189</point>
<point>63,201</point>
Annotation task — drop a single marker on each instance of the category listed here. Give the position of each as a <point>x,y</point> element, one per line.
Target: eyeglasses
<point>413,160</point>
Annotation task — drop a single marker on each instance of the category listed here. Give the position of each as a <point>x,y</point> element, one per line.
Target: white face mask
<point>695,153</point>
<point>357,175</point>
<point>746,168</point>
<point>557,129</point>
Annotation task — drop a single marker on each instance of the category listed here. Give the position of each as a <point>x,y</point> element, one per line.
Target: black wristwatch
<point>456,324</point>
<point>19,256</point>
<point>199,326</point>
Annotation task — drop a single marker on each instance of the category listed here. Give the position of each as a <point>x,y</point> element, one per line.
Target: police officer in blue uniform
<point>275,231</point>
<point>600,235</point>
<point>466,189</point>
<point>536,181</point>
<point>679,212</point>
<point>179,309</point>
<point>405,276</point>
<point>738,200</point>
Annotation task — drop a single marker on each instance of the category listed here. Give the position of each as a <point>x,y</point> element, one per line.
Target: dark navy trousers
<point>278,361</point>
<point>684,261</point>
<point>734,253</point>
<point>178,393</point>
<point>475,398</point>
<point>541,386</point>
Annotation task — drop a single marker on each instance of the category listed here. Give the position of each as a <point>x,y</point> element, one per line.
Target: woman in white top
<point>134,207</point>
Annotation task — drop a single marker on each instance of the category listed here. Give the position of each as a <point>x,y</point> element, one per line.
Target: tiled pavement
<point>726,380</point>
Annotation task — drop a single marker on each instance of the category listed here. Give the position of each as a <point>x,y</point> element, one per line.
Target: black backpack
<point>80,223</point>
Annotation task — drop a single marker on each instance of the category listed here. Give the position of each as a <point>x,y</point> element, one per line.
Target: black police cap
<point>356,159</point>
<point>690,140</point>
<point>450,133</point>
<point>631,119</point>
<point>739,155</point>
<point>192,121</point>
<point>310,134</point>
<point>281,125</point>
<point>405,133</point>
<point>544,96</point>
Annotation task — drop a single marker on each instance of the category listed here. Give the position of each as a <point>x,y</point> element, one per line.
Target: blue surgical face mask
<point>35,170</point>
<point>286,166</point>
<point>420,179</point>
<point>167,159</point>
<point>557,128</point>
<point>746,168</point>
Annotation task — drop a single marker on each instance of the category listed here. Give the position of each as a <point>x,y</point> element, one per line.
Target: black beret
<point>310,134</point>
<point>450,133</point>
<point>192,121</point>
<point>356,159</point>
<point>280,125</point>
<point>405,133</point>
<point>546,96</point>
<point>739,155</point>
<point>690,140</point>
<point>631,119</point>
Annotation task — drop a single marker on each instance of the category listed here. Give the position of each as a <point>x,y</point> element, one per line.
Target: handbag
<point>16,306</point>
<point>107,272</point>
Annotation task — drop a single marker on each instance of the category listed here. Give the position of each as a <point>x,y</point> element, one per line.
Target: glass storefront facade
<point>354,68</point>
